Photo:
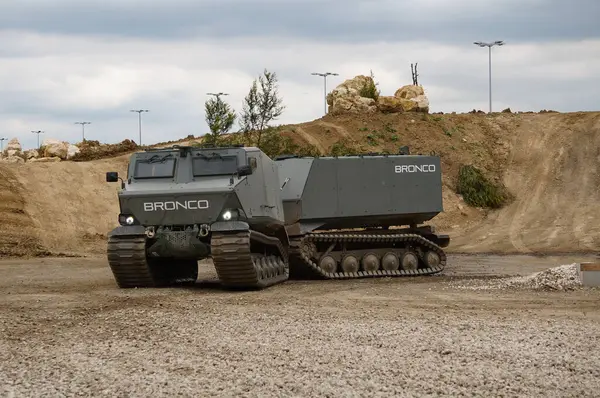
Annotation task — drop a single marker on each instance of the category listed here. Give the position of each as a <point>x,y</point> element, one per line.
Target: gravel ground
<point>65,330</point>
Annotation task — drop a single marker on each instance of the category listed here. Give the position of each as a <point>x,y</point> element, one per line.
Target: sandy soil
<point>541,158</point>
<point>553,169</point>
<point>66,330</point>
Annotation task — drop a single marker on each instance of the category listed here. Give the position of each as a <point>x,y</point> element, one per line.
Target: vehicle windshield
<point>214,164</point>
<point>157,166</point>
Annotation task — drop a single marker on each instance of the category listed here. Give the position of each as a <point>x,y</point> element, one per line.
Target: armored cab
<point>182,204</point>
<point>327,200</point>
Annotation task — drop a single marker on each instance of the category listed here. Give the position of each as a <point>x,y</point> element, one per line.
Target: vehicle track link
<point>304,265</point>
<point>132,268</point>
<point>241,264</point>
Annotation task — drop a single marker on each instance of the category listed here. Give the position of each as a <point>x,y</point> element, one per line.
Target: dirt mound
<point>564,277</point>
<point>94,150</point>
<point>67,206</point>
<point>19,235</point>
<point>548,161</point>
<point>552,168</point>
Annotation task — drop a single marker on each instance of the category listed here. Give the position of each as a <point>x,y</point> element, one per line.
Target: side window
<point>253,163</point>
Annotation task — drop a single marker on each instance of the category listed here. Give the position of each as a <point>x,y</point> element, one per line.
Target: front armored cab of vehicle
<point>182,204</point>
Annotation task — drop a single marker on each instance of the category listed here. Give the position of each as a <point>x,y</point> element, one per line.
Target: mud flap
<point>127,230</point>
<point>229,226</point>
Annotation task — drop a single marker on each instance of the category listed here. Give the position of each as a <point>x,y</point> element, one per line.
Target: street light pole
<point>38,132</point>
<point>489,46</point>
<point>83,128</point>
<point>2,144</point>
<point>324,76</point>
<point>218,95</point>
<point>139,111</point>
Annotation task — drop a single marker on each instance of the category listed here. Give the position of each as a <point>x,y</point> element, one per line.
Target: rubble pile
<point>563,278</point>
<point>51,150</point>
<point>348,97</point>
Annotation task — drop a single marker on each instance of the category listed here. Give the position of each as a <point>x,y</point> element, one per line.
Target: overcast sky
<point>64,61</point>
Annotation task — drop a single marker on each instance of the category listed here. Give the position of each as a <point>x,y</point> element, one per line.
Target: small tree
<point>261,106</point>
<point>219,117</point>
<point>369,89</point>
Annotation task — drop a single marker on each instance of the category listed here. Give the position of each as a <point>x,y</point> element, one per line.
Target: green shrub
<point>274,144</point>
<point>369,89</point>
<point>479,191</point>
<point>345,147</point>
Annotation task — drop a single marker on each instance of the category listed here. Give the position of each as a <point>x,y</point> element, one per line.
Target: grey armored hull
<point>264,221</point>
<point>324,197</point>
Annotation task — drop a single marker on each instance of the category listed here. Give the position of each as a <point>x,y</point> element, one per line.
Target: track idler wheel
<point>370,262</point>
<point>432,259</point>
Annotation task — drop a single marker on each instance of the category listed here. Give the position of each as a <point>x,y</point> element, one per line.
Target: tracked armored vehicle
<point>263,221</point>
<point>183,204</point>
<point>325,198</point>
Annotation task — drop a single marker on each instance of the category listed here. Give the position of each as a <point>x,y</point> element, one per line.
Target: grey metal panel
<point>371,185</point>
<point>167,208</point>
<point>251,191</point>
<point>259,192</point>
<point>418,191</point>
<point>320,198</point>
<point>361,188</point>
<point>297,170</point>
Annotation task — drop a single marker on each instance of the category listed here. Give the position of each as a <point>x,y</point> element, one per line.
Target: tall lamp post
<point>139,111</point>
<point>218,95</point>
<point>489,46</point>
<point>38,132</point>
<point>324,76</point>
<point>83,128</point>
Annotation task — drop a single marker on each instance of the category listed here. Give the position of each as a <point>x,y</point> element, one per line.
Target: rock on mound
<point>51,150</point>
<point>356,95</point>
<point>564,277</point>
<point>347,97</point>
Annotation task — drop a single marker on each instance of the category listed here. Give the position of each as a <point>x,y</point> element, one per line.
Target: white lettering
<point>176,205</point>
<point>414,168</point>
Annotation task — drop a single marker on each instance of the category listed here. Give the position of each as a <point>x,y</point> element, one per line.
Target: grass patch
<point>479,191</point>
<point>369,89</point>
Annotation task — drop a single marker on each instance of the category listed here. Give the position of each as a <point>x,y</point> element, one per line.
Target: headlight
<point>126,219</point>
<point>230,214</point>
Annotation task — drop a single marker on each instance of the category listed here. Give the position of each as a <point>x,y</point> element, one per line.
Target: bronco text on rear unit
<point>414,168</point>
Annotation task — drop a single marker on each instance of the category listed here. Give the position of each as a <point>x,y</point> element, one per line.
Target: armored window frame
<point>220,160</point>
<point>146,163</point>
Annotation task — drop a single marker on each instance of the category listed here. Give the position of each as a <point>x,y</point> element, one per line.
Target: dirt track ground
<point>66,330</point>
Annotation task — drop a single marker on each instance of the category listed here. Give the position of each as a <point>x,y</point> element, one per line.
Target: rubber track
<point>127,260</point>
<point>300,256</point>
<point>237,267</point>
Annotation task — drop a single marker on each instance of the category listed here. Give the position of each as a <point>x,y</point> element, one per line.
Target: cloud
<point>332,20</point>
<point>95,61</point>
